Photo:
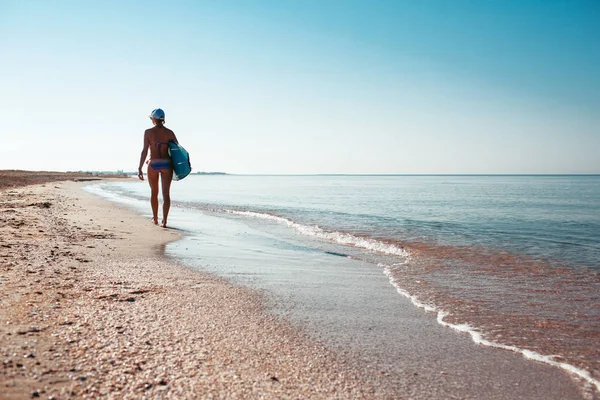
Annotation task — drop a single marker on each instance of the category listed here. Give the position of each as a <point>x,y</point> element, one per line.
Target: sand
<point>90,307</point>
<point>18,178</point>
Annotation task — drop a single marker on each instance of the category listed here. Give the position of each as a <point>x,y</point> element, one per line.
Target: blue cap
<point>157,114</point>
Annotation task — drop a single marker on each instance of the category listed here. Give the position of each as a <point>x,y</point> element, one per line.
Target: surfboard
<point>181,161</point>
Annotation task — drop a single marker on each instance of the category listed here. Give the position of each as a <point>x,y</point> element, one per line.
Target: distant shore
<point>18,178</point>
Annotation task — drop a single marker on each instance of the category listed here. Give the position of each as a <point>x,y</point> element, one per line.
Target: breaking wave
<point>343,238</point>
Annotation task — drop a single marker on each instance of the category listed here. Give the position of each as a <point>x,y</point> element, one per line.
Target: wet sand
<point>91,307</point>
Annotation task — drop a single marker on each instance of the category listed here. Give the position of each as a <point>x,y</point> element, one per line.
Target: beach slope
<point>91,307</point>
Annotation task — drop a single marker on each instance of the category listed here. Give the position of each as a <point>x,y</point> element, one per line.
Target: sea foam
<point>333,236</point>
<point>390,249</point>
<point>478,338</point>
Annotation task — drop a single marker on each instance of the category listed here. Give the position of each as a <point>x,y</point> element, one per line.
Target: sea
<point>513,261</point>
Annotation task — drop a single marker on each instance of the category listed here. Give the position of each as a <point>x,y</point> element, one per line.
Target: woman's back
<point>159,137</point>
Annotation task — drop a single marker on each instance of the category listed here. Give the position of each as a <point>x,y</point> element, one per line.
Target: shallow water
<point>515,260</point>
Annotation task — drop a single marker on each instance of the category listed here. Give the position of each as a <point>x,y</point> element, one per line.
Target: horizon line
<point>328,174</point>
<point>416,174</point>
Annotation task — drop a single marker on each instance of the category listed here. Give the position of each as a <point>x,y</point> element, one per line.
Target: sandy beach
<point>92,308</point>
<point>382,200</point>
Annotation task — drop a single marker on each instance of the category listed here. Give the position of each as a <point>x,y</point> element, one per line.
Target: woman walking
<point>156,140</point>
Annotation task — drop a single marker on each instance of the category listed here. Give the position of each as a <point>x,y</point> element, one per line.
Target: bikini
<point>161,164</point>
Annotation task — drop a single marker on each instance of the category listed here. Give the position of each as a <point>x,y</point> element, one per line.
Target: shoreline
<point>92,308</point>
<point>13,178</point>
<point>239,252</point>
<point>102,266</point>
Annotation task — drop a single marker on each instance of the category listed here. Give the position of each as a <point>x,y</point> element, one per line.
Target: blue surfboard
<point>181,161</point>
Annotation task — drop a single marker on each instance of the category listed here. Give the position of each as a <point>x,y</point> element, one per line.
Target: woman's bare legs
<point>153,181</point>
<point>166,177</point>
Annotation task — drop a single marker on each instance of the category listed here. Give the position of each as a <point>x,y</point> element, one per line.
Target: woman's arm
<point>143,155</point>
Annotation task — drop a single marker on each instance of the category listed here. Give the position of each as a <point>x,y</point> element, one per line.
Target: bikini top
<point>158,144</point>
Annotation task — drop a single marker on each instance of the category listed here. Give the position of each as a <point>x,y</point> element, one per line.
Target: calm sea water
<point>513,260</point>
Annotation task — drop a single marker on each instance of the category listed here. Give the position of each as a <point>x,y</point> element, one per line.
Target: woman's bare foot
<point>163,223</point>
<point>155,220</point>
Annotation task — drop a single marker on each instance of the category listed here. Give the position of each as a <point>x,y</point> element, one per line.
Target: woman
<point>157,140</point>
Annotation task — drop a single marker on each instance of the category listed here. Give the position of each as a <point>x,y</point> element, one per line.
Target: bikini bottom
<point>161,164</point>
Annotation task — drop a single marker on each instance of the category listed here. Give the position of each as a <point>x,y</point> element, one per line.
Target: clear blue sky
<point>304,86</point>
